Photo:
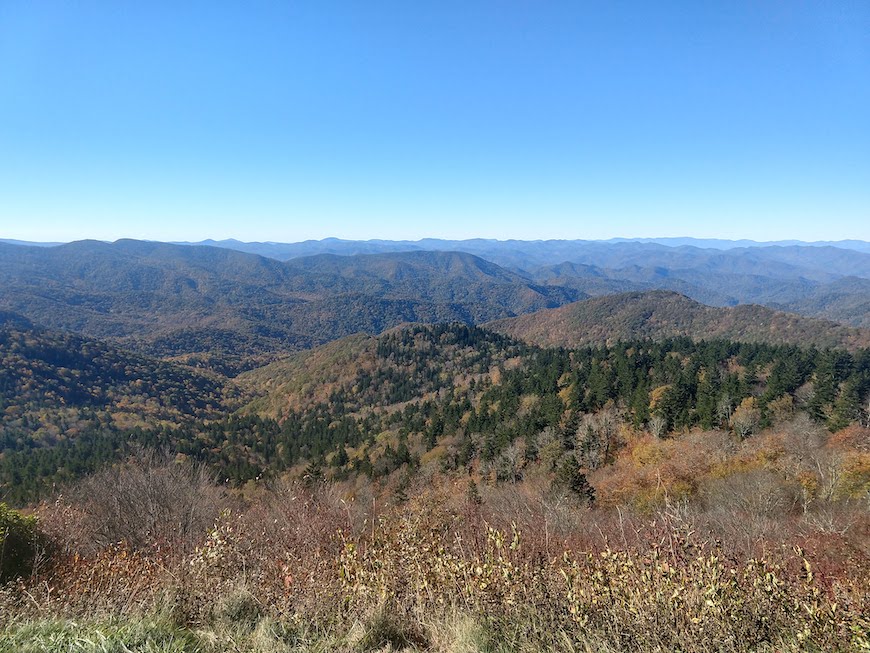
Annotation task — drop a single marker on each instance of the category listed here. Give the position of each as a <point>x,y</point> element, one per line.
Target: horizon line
<point>613,239</point>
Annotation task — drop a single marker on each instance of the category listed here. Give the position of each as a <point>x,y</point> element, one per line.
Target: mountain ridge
<point>173,300</point>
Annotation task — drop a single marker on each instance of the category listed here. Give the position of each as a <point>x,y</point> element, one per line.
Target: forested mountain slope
<point>662,314</point>
<point>470,392</point>
<point>53,384</point>
<point>440,397</point>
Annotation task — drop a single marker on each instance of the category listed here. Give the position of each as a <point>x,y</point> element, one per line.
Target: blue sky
<point>288,120</point>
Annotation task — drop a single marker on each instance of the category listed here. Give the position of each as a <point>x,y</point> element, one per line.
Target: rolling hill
<point>845,300</point>
<point>266,297</point>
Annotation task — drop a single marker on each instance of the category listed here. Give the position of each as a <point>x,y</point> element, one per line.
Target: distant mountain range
<point>12,241</point>
<point>288,293</point>
<point>340,246</point>
<point>528,255</point>
<point>719,243</point>
<point>214,306</point>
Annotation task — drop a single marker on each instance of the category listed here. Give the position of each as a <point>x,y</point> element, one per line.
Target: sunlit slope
<point>661,314</point>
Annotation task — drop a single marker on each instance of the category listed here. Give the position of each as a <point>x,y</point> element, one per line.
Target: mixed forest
<point>203,449</point>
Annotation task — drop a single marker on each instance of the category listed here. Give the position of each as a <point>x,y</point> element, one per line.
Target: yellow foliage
<point>782,408</point>
<point>527,403</point>
<point>433,455</point>
<point>649,451</point>
<point>759,452</point>
<point>656,395</point>
<point>855,479</point>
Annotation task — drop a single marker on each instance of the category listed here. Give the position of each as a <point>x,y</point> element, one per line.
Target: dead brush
<point>292,559</point>
<point>687,599</point>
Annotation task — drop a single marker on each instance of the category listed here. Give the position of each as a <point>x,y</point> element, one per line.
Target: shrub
<point>150,499</point>
<point>17,543</point>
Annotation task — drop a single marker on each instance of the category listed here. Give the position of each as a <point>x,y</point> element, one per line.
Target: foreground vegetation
<point>153,556</point>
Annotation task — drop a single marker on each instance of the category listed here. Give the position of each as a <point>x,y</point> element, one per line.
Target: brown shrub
<point>148,501</point>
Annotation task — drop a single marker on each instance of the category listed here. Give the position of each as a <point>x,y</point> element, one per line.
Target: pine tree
<point>570,479</point>
<point>313,474</point>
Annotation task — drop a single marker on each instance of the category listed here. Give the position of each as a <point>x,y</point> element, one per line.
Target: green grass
<point>113,636</point>
<point>157,634</point>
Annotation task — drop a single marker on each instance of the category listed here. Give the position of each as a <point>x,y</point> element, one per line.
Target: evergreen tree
<point>313,474</point>
<point>570,479</point>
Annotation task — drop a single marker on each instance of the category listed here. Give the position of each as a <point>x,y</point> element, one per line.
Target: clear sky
<point>292,120</point>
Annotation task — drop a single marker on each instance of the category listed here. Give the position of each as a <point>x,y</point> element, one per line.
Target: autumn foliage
<point>330,561</point>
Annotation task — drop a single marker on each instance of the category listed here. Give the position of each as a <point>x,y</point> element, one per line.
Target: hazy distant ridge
<point>480,246</point>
